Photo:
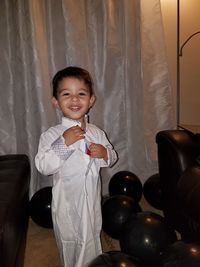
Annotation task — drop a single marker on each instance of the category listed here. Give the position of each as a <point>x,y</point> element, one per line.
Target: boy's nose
<point>74,98</point>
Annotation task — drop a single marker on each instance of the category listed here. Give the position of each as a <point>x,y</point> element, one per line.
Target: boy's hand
<point>73,134</point>
<point>98,151</point>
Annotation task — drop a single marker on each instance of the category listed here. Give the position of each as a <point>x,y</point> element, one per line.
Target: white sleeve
<point>112,155</point>
<point>52,153</point>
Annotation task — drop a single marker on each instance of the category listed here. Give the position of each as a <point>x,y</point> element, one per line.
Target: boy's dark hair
<point>73,72</point>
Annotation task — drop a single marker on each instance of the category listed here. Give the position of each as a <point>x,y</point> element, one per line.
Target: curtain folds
<point>120,42</point>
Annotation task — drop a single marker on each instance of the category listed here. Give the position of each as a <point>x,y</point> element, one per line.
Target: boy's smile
<point>73,99</point>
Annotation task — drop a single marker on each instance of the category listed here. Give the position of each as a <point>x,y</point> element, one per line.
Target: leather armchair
<point>179,172</point>
<point>14,200</point>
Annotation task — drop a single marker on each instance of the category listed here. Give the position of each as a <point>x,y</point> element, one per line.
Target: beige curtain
<point>120,42</point>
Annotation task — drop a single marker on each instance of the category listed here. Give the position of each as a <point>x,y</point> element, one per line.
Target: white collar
<point>70,123</point>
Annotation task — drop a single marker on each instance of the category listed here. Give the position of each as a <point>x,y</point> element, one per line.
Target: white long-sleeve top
<point>52,147</point>
<point>76,210</point>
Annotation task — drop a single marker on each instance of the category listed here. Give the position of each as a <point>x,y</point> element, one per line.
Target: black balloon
<point>40,207</point>
<point>181,254</point>
<point>152,191</point>
<point>145,235</point>
<point>126,183</point>
<point>114,259</point>
<point>115,212</point>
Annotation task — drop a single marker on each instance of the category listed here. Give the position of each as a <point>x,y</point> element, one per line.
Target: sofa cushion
<point>188,190</point>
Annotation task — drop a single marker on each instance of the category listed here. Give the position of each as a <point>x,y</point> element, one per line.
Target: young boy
<point>73,152</point>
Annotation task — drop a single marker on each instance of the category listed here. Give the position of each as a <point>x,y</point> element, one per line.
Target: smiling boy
<point>73,152</point>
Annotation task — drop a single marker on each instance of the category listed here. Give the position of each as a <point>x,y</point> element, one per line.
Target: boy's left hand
<point>98,151</point>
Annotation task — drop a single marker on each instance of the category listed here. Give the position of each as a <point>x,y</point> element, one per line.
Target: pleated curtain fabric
<point>120,42</point>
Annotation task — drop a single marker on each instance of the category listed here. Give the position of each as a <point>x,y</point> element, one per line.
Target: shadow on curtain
<point>120,42</point>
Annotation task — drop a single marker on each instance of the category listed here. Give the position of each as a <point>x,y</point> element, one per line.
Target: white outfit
<point>76,201</point>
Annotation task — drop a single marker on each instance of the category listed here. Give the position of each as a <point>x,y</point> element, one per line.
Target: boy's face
<point>73,99</point>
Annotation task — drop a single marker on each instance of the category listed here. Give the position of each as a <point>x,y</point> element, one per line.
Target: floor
<point>41,248</point>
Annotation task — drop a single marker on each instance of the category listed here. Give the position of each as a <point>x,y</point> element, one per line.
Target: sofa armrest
<point>177,151</point>
<point>14,200</point>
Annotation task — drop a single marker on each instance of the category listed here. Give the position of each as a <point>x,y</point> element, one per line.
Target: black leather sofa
<point>14,199</point>
<point>178,152</point>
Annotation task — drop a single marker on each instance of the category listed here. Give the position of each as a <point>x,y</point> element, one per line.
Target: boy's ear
<point>92,100</point>
<point>54,102</point>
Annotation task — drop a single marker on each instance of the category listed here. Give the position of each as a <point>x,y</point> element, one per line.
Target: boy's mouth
<point>75,108</point>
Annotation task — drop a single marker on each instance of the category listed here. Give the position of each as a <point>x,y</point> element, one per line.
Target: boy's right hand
<point>73,135</point>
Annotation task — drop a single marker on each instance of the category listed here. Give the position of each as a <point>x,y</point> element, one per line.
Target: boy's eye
<point>82,94</point>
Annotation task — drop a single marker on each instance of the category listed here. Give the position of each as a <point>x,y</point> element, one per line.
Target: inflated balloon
<point>115,212</point>
<point>181,254</point>
<point>152,191</point>
<point>114,259</point>
<point>145,236</point>
<point>126,183</point>
<point>40,207</point>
